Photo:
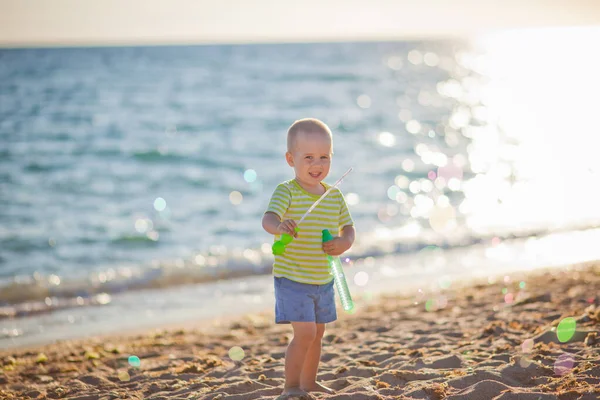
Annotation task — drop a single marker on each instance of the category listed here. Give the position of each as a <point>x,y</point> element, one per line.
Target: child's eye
<point>309,157</point>
<point>325,157</point>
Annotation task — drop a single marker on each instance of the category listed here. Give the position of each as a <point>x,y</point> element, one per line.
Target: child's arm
<point>273,225</point>
<point>342,243</point>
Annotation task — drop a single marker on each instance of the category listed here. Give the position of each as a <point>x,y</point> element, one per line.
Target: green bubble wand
<point>335,269</point>
<point>278,247</point>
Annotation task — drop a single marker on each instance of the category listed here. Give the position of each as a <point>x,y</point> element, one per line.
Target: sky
<point>87,22</point>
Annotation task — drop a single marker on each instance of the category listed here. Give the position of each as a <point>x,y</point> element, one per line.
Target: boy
<point>304,295</point>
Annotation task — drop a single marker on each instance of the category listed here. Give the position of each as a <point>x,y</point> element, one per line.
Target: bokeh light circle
<point>444,282</point>
<point>236,197</point>
<point>160,204</point>
<point>363,101</point>
<point>524,362</point>
<point>361,278</point>
<point>392,192</point>
<point>413,127</point>
<point>522,285</point>
<point>395,63</point>
<point>527,346</point>
<point>352,199</point>
<point>564,364</point>
<point>153,235</point>
<point>124,376</point>
<point>134,361</point>
<point>442,218</point>
<point>143,225</point>
<point>236,353</point>
<point>250,175</point>
<point>408,165</point>
<point>415,57</point>
<point>430,305</point>
<point>386,139</point>
<point>566,329</point>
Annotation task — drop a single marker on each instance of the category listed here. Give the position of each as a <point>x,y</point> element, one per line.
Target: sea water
<point>134,177</point>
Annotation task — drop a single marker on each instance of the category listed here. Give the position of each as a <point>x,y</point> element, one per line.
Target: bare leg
<point>308,377</point>
<point>304,335</point>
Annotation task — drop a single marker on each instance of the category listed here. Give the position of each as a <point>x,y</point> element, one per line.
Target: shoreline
<point>153,308</point>
<point>471,341</point>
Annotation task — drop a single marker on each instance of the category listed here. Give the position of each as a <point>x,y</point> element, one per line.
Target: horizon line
<point>233,41</point>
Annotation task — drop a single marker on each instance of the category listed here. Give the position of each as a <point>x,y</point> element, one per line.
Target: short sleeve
<point>280,201</point>
<point>345,217</point>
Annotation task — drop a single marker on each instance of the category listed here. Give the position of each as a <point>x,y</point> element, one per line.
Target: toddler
<point>304,294</point>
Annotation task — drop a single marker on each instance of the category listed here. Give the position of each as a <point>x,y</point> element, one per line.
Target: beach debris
<point>593,313</point>
<point>44,378</point>
<point>438,390</point>
<point>381,385</point>
<point>91,355</point>
<point>340,370</point>
<point>41,358</point>
<point>10,360</point>
<point>111,348</point>
<point>542,298</point>
<point>591,339</point>
<point>57,392</point>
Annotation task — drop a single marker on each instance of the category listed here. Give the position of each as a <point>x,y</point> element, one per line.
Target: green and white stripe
<point>304,260</point>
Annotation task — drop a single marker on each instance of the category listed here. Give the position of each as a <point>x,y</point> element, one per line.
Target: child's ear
<point>289,158</point>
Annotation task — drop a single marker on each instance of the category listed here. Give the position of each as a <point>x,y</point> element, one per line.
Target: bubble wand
<point>278,247</point>
<point>335,269</point>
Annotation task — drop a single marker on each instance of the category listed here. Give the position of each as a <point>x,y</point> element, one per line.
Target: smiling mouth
<point>314,174</point>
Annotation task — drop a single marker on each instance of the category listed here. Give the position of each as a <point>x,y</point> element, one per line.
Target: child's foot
<point>317,387</point>
<point>294,393</point>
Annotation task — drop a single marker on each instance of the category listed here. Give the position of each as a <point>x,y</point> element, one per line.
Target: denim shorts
<point>303,302</point>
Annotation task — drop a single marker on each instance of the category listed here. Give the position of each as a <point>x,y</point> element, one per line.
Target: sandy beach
<point>519,337</point>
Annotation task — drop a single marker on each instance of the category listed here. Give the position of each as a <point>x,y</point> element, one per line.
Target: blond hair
<point>308,125</point>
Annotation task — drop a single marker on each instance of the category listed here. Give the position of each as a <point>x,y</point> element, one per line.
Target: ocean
<point>133,179</point>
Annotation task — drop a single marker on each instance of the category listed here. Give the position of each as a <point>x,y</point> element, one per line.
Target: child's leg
<point>313,356</point>
<point>304,336</point>
<point>308,377</point>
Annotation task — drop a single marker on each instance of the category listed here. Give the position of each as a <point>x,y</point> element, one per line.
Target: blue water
<point>134,167</point>
<point>92,137</point>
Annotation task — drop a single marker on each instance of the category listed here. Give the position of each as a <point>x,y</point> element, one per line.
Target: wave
<point>322,77</point>
<point>30,296</point>
<point>152,156</point>
<point>38,294</point>
<point>134,239</point>
<point>155,155</point>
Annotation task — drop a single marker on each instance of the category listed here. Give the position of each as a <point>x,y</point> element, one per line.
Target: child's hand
<point>288,226</point>
<point>336,246</point>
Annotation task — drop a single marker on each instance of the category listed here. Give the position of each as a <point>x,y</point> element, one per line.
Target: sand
<point>478,340</point>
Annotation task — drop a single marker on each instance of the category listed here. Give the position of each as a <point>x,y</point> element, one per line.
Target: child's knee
<point>320,331</point>
<point>305,335</point>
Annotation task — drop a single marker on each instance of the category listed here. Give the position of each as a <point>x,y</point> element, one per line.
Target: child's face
<point>310,157</point>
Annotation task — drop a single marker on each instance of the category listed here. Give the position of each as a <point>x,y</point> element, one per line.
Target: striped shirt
<point>304,260</point>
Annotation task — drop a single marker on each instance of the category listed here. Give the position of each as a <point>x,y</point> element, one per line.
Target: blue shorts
<point>303,302</point>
